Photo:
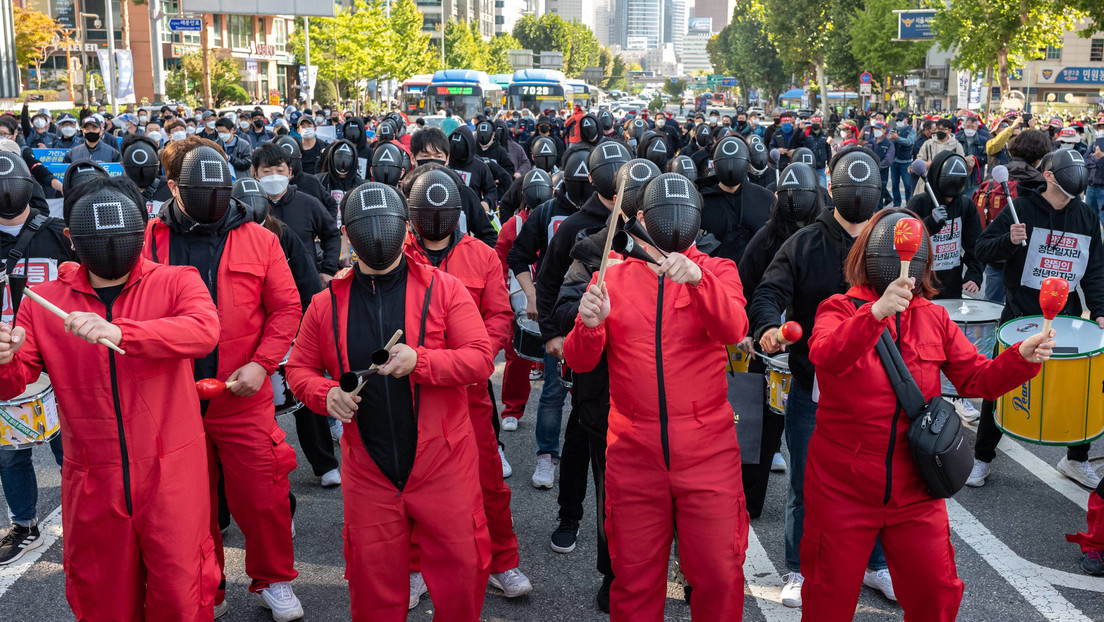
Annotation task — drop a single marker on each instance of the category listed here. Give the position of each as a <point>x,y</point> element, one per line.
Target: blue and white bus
<point>463,91</point>
<point>539,90</point>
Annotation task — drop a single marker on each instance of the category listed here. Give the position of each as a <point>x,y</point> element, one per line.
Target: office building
<point>720,11</point>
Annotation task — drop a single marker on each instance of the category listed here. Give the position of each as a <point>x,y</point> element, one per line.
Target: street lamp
<point>109,74</point>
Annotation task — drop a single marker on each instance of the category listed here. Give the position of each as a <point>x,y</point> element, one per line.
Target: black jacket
<point>734,218</point>
<point>532,241</point>
<point>592,216</point>
<point>306,217</point>
<point>806,271</point>
<point>301,261</point>
<point>48,248</point>
<point>312,158</point>
<point>475,174</point>
<point>309,185</point>
<point>995,244</point>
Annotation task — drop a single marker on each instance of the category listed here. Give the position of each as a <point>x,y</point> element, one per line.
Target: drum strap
<point>25,236</point>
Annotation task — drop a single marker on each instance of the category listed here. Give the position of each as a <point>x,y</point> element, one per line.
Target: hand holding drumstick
<point>88,326</point>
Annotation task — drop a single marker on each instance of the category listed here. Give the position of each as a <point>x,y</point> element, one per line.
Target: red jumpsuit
<point>259,311</point>
<point>515,376</point>
<point>133,485</point>
<point>850,495</point>
<point>440,501</point>
<point>475,264</point>
<point>672,454</point>
<point>1093,538</point>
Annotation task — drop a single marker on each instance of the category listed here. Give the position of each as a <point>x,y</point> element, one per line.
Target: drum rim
<point>1063,357</point>
<point>1036,441</point>
<point>944,302</point>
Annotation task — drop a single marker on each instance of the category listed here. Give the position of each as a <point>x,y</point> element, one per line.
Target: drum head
<point>1075,338</point>
<point>39,386</point>
<point>779,362</point>
<point>528,325</point>
<point>965,310</point>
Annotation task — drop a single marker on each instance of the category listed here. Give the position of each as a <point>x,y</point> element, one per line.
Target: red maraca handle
<point>789,333</point>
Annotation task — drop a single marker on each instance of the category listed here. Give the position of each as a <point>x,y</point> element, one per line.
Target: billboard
<point>301,8</point>
<point>914,25</point>
<point>701,24</point>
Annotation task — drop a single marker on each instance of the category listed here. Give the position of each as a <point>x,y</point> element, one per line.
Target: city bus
<point>585,95</point>
<point>412,95</point>
<point>463,91</point>
<point>539,90</point>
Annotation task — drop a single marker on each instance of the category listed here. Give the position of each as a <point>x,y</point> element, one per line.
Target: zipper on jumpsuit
<point>659,377</point>
<point>387,394</point>
<point>892,433</point>
<point>119,421</point>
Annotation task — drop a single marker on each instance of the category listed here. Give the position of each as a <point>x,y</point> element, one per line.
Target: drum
<point>979,320</point>
<point>738,360</point>
<point>1064,404</point>
<point>567,377</point>
<point>778,381</point>
<point>30,419</point>
<point>518,301</point>
<point>286,402</point>
<point>527,339</point>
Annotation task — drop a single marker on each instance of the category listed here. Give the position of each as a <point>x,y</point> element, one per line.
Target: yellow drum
<point>30,419</point>
<point>778,377</point>
<point>737,359</point>
<point>1064,404</point>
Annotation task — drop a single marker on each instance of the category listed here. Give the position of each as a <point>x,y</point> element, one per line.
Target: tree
<point>550,32</point>
<point>841,66</point>
<point>1004,33</point>
<point>411,47</point>
<point>359,44</point>
<point>871,42</point>
<point>743,50</point>
<point>674,88</point>
<point>464,47</point>
<point>498,61</point>
<point>799,30</point>
<point>183,80</point>
<point>36,35</point>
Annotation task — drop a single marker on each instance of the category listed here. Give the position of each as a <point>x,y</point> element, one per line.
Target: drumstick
<point>52,308</point>
<point>386,348</point>
<point>1052,299</point>
<point>907,239</point>
<point>611,230</point>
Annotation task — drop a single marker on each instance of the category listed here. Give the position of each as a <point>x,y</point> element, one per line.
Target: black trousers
<point>315,441</point>
<point>988,435</point>
<point>756,476</point>
<point>583,448</point>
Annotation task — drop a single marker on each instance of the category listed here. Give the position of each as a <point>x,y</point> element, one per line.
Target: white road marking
<point>51,533</point>
<point>1046,472</point>
<point>764,584</point>
<point>1033,582</point>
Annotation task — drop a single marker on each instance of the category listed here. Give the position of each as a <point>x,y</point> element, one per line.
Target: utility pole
<point>110,80</point>
<point>306,52</point>
<point>208,100</point>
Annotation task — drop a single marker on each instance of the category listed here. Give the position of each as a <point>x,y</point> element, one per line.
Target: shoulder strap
<point>900,378</point>
<point>23,241</point>
<point>421,341</point>
<point>336,332</point>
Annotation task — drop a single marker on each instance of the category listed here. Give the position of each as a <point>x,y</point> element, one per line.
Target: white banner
<point>124,69</point>
<point>965,80</point>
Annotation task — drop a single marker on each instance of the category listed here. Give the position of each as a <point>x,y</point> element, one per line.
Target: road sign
<point>865,77</point>
<point>864,89</point>
<point>190,25</point>
<point>729,82</point>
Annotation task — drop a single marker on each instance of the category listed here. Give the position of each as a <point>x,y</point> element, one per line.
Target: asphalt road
<point>1008,538</point>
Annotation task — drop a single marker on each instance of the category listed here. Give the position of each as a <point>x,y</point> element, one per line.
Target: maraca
<point>907,237</point>
<point>210,388</point>
<point>67,267</point>
<point>789,333</point>
<point>1052,299</point>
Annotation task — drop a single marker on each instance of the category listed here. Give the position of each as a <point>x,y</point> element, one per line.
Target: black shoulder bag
<point>941,452</point>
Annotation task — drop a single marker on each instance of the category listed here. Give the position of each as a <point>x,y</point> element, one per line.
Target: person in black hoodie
<point>430,146</point>
<point>339,170</point>
<point>463,158</point>
<point>353,131</point>
<point>141,165</point>
<point>953,225</point>
<point>700,148</point>
<point>1059,228</point>
<point>302,213</point>
<point>306,183</point>
<point>733,210</point>
<point>488,148</point>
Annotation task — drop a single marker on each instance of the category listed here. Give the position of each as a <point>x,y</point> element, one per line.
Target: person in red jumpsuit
<point>434,202</point>
<point>134,497</point>
<point>414,409</point>
<point>861,478</point>
<point>672,455</point>
<point>1091,540</point>
<point>247,276</point>
<point>536,189</point>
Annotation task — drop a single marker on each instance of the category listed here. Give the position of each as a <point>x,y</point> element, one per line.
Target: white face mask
<point>40,123</point>
<point>970,133</point>
<point>901,124</point>
<point>154,136</point>
<point>319,120</point>
<point>198,116</point>
<point>273,185</point>
<point>224,136</point>
<point>661,123</point>
<point>878,133</point>
<point>244,125</point>
<point>306,133</point>
<point>179,135</point>
<point>190,130</point>
<point>1100,133</point>
<point>142,118</point>
<point>210,125</point>
<point>68,131</point>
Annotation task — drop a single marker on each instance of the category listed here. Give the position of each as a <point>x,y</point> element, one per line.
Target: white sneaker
<point>336,429</point>
<point>966,410</point>
<point>417,589</point>
<point>1080,472</point>
<point>281,601</point>
<point>293,529</point>
<point>978,474</point>
<point>778,463</point>
<point>881,581</point>
<point>221,609</point>
<point>512,583</point>
<point>509,424</point>
<point>536,374</point>
<point>791,592</point>
<point>545,472</point>
<point>331,478</point>
<point>507,470</point>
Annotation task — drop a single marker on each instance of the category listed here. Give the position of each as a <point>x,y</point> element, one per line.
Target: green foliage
<point>186,79</point>
<point>872,31</point>
<point>841,65</point>
<point>324,91</point>
<point>550,32</point>
<point>464,47</point>
<point>36,36</point>
<point>674,89</point>
<point>743,50</point>
<point>656,104</point>
<point>498,61</point>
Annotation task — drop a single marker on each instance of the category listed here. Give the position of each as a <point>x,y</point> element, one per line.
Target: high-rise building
<point>680,21</point>
<point>582,11</point>
<point>720,11</point>
<point>603,20</point>
<point>435,13</point>
<point>694,55</point>
<point>507,14</point>
<point>643,23</point>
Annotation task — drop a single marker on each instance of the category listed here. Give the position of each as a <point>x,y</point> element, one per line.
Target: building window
<point>279,30</point>
<point>1052,53</point>
<point>241,32</point>
<point>1096,52</point>
<point>216,22</point>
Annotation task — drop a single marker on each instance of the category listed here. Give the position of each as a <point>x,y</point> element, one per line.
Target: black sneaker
<point>1092,562</point>
<point>563,539</point>
<point>19,540</point>
<point>603,594</point>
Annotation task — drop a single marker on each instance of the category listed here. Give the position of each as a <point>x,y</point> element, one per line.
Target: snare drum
<point>527,339</point>
<point>978,320</point>
<point>286,402</point>
<point>738,360</point>
<point>567,377</point>
<point>30,419</point>
<point>778,380</point>
<point>1064,404</point>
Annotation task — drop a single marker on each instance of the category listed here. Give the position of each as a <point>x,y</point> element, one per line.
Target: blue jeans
<point>800,423</point>
<point>550,408</point>
<point>17,475</point>
<point>901,177</point>
<point>822,177</point>
<point>1094,196</point>
<point>994,284</point>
